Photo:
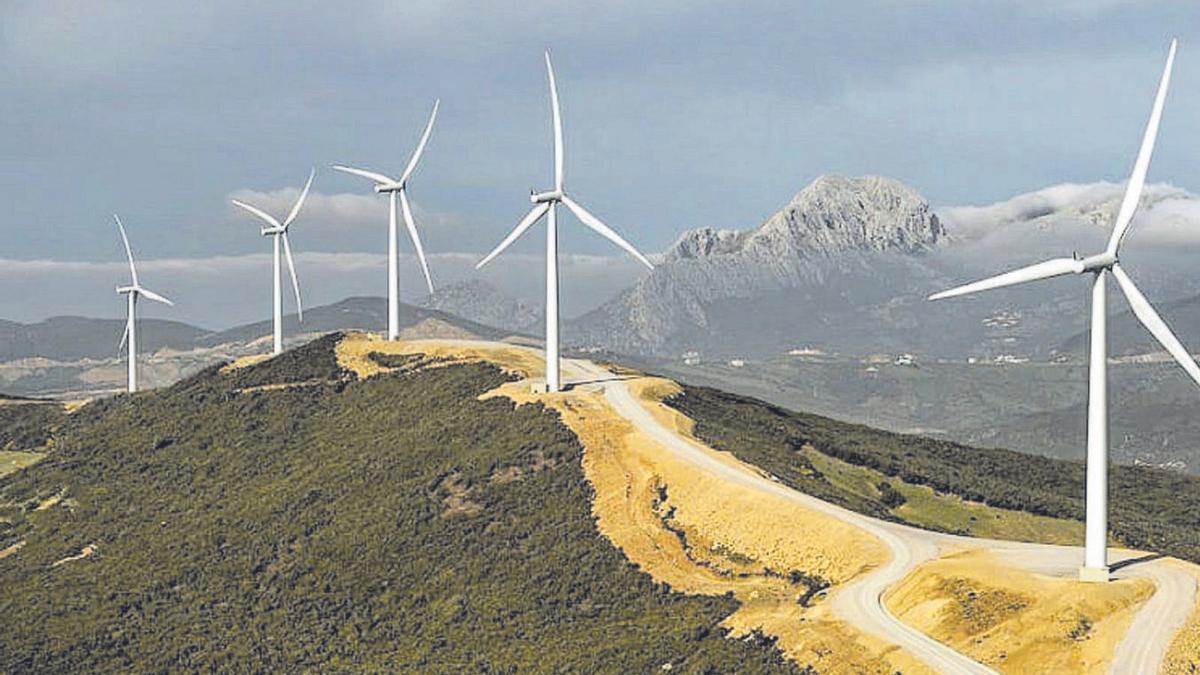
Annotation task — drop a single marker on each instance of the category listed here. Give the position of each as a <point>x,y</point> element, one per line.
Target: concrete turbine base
<point>1095,575</point>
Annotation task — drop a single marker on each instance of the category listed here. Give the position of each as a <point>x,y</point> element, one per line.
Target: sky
<point>678,115</point>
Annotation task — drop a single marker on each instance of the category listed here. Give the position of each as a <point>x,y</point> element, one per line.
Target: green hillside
<point>1150,508</point>
<point>397,524</point>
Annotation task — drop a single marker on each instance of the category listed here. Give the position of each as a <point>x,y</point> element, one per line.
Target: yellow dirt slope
<point>1016,621</point>
<point>1184,655</point>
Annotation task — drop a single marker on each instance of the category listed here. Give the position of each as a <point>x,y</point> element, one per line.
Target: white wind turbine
<point>279,233</point>
<point>133,291</point>
<point>546,204</point>
<point>395,188</point>
<point>1095,566</point>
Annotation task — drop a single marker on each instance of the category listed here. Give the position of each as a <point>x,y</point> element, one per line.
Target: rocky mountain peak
<point>831,215</point>
<point>837,213</point>
<point>704,242</point>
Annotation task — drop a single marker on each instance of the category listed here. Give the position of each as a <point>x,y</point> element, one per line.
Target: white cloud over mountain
<point>1168,215</point>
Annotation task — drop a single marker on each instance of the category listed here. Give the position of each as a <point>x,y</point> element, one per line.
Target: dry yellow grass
<point>436,329</point>
<point>1017,621</point>
<point>1183,658</point>
<point>5,552</point>
<point>51,501</point>
<point>72,406</point>
<point>244,362</point>
<point>354,351</point>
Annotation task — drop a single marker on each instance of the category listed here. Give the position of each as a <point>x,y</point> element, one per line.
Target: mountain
<point>75,357</point>
<point>724,290</point>
<point>70,338</point>
<point>1128,337</point>
<point>361,313</point>
<point>1035,407</point>
<point>846,266</point>
<point>480,301</point>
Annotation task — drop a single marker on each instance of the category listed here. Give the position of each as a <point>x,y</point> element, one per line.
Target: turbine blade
<point>151,295</point>
<point>287,251</point>
<point>558,132</point>
<point>300,201</point>
<point>604,230</point>
<point>1137,180</point>
<point>416,156</point>
<point>128,251</point>
<point>258,212</point>
<point>1043,270</point>
<point>369,175</point>
<point>416,238</point>
<point>1154,323</point>
<point>124,336</point>
<point>527,222</point>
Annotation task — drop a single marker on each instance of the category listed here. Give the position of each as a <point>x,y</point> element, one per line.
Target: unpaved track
<point>1141,650</point>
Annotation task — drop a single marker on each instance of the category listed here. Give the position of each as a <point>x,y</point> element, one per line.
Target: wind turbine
<point>133,291</point>
<point>1095,566</point>
<point>279,234</point>
<point>393,188</point>
<point>546,204</point>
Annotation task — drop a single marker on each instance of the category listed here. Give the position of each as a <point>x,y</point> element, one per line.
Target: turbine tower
<point>546,204</point>
<point>395,188</point>
<point>133,291</point>
<point>279,234</point>
<point>1100,265</point>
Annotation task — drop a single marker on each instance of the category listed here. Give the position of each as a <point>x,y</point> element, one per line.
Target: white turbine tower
<point>133,291</point>
<point>399,188</point>
<point>546,204</point>
<point>279,233</point>
<point>1095,566</point>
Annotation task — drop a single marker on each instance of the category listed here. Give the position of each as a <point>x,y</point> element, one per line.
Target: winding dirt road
<point>1142,649</point>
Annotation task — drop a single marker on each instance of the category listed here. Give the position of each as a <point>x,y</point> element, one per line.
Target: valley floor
<point>842,592</point>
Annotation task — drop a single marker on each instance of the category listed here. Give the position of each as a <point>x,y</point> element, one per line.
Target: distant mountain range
<point>77,356</point>
<point>479,301</point>
<point>1127,337</point>
<point>847,264</point>
<point>70,338</point>
<point>770,288</point>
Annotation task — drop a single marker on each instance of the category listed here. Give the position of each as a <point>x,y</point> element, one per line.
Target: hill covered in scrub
<point>942,485</point>
<point>288,516</point>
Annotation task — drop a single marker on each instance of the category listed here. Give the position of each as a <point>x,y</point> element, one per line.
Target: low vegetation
<point>397,524</point>
<point>28,424</point>
<point>1152,509</point>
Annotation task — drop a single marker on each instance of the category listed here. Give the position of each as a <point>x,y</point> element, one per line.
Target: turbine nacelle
<point>544,197</point>
<point>394,186</point>
<point>1100,261</point>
